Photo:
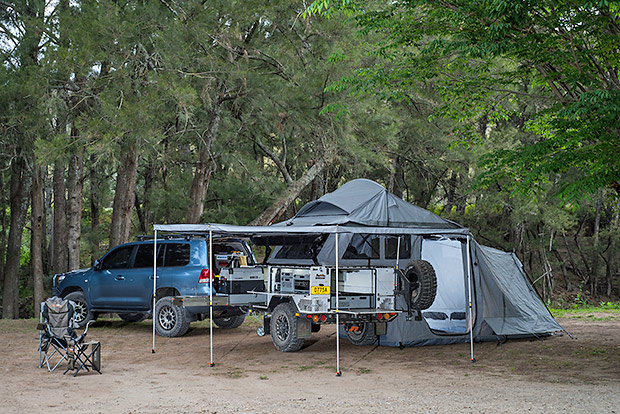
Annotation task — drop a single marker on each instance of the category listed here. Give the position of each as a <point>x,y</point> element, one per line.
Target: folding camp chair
<point>57,337</point>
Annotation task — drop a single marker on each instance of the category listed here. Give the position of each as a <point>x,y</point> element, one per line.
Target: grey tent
<point>504,304</point>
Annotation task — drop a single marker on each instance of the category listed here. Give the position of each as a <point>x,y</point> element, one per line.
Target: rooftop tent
<point>367,203</point>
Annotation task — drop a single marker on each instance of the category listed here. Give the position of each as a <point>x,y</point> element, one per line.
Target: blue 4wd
<point>122,282</point>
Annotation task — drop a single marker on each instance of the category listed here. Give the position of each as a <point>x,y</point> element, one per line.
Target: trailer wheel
<point>229,322</point>
<point>284,328</point>
<point>423,284</point>
<point>361,334</point>
<point>170,320</point>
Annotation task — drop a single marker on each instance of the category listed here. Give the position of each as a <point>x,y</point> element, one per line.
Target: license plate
<point>319,290</point>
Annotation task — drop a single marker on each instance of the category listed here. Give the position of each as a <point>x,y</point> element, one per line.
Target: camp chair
<point>57,337</point>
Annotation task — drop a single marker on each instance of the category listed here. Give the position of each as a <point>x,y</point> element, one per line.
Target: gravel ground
<point>558,374</point>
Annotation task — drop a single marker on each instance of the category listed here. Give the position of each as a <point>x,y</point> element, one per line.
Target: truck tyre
<point>170,320</point>
<point>423,280</point>
<point>81,313</point>
<point>229,322</point>
<point>284,328</point>
<point>132,317</point>
<point>365,335</point>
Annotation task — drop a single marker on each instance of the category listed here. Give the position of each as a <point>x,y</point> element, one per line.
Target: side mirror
<point>97,265</point>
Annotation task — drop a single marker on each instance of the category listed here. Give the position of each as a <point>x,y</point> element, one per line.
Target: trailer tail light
<point>309,316</point>
<point>315,318</point>
<point>379,316</point>
<point>205,276</point>
<point>323,318</point>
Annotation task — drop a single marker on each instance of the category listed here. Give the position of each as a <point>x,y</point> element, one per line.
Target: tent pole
<point>338,372</point>
<point>211,273</point>
<point>154,287</point>
<point>471,313</point>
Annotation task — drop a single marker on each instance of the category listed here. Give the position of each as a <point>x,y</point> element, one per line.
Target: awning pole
<point>211,364</point>
<point>154,287</point>
<point>471,313</point>
<point>338,372</point>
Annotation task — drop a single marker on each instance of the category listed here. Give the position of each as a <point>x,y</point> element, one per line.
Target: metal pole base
<point>338,373</point>
<point>473,360</point>
<point>152,351</point>
<point>211,364</point>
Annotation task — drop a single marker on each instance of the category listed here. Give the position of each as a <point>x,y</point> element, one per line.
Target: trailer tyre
<point>363,335</point>
<point>423,280</point>
<point>284,328</point>
<point>229,322</point>
<point>170,320</point>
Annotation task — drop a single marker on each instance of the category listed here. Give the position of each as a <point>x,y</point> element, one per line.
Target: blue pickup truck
<point>122,282</point>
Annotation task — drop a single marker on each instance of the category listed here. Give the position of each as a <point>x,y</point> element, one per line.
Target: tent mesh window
<point>391,245</point>
<point>363,246</point>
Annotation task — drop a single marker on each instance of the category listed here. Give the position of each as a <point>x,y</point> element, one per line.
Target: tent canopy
<point>367,203</point>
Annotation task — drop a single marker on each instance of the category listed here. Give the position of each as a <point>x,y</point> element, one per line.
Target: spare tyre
<point>422,284</point>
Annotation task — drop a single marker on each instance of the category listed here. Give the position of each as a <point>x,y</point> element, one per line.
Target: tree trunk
<point>95,191</point>
<point>204,169</point>
<point>75,183</point>
<point>59,231</point>
<point>36,240</point>
<point>274,212</point>
<point>19,193</point>
<point>596,235</point>
<point>611,254</point>
<point>124,197</point>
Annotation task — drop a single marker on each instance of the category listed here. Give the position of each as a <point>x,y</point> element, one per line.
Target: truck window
<point>144,257</point>
<point>177,254</point>
<point>118,259</point>
<point>391,244</point>
<point>363,246</point>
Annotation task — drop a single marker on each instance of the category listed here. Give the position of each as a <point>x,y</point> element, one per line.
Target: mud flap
<point>380,328</point>
<point>304,328</point>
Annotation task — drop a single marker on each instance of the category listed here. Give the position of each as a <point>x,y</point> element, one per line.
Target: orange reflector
<point>315,318</point>
<point>386,316</point>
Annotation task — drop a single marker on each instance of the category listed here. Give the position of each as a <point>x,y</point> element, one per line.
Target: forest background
<point>500,115</point>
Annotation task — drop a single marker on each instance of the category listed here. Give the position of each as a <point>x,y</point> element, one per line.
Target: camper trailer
<point>381,268</point>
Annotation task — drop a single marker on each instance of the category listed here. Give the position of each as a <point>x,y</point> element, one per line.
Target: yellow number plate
<point>319,290</point>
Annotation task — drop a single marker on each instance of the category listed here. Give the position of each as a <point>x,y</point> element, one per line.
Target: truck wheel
<point>229,322</point>
<point>363,335</point>
<point>132,317</point>
<point>423,280</point>
<point>170,320</point>
<point>284,328</point>
<point>81,313</point>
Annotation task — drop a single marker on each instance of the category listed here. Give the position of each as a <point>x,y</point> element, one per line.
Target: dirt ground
<point>557,374</point>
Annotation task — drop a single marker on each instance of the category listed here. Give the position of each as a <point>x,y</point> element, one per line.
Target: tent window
<point>363,246</point>
<point>391,244</point>
<point>295,251</point>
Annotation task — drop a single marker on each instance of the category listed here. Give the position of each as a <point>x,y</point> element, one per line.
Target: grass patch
<point>579,311</point>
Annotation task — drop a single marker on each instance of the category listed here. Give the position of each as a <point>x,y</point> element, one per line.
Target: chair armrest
<point>86,329</point>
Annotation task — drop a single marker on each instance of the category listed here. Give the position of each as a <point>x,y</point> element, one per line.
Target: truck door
<point>138,283</point>
<point>107,286</point>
